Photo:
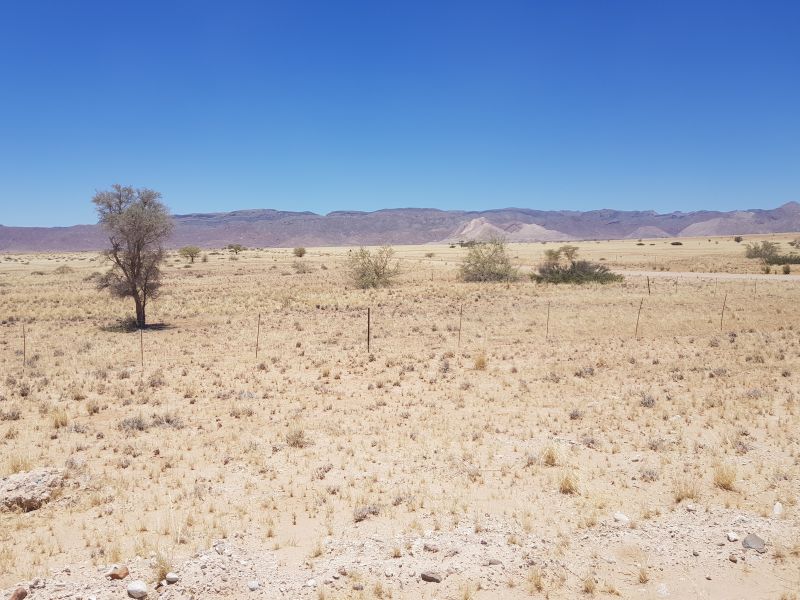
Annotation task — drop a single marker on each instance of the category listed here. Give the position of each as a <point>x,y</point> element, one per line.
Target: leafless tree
<point>137,224</point>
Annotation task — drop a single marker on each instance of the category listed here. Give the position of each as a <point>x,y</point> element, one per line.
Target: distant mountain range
<point>265,227</point>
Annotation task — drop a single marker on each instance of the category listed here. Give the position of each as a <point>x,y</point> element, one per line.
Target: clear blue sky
<point>326,105</point>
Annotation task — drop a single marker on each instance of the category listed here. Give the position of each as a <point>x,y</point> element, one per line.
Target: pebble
<point>171,577</point>
<point>621,518</point>
<point>777,510</point>
<point>733,558</point>
<point>311,583</point>
<point>252,585</point>
<point>732,537</point>
<point>117,572</point>
<point>431,576</point>
<point>19,594</point>
<point>754,542</point>
<point>137,589</point>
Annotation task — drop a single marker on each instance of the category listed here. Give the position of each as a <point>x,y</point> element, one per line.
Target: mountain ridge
<point>276,228</point>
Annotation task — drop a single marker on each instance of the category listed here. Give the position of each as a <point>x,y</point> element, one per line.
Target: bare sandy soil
<point>511,440</point>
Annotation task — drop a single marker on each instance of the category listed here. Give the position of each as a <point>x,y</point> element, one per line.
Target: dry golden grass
<point>206,440</point>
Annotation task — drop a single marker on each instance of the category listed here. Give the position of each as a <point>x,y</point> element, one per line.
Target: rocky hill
<point>265,227</point>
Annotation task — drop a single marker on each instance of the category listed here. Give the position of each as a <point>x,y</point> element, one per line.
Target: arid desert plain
<point>516,440</point>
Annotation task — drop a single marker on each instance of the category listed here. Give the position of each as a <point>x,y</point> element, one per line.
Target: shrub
<point>787,269</point>
<point>63,270</point>
<point>373,269</point>
<point>579,271</point>
<point>299,252</point>
<point>738,239</point>
<point>763,250</point>
<point>488,261</point>
<point>676,243</point>
<point>235,248</point>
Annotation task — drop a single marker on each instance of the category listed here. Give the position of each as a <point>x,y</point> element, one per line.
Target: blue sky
<point>363,105</point>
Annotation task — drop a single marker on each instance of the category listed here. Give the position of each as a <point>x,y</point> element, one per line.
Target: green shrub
<point>373,269</point>
<point>488,261</point>
<point>761,250</point>
<point>787,269</point>
<point>578,271</point>
<point>299,252</point>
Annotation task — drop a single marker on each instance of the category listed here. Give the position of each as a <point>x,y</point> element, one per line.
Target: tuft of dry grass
<point>725,476</point>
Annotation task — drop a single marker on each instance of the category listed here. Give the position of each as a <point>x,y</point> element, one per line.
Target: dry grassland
<point>510,453</point>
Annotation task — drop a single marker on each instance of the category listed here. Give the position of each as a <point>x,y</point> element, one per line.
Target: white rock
<point>171,577</point>
<point>777,510</point>
<point>252,585</point>
<point>137,589</point>
<point>621,518</point>
<point>311,583</point>
<point>732,537</point>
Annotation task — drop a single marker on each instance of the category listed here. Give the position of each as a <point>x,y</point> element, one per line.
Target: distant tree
<point>738,239</point>
<point>137,224</point>
<point>552,255</point>
<point>235,248</point>
<point>373,269</point>
<point>189,252</point>
<point>488,261</point>
<point>569,252</point>
<point>299,252</point>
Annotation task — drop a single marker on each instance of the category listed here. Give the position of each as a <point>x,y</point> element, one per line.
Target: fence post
<point>368,329</point>
<point>636,332</point>
<point>547,326</point>
<point>460,317</point>
<point>648,285</point>
<point>258,333</point>
<point>24,349</point>
<point>722,315</point>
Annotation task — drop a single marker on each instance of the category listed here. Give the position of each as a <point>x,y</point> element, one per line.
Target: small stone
<point>358,587</point>
<point>695,553</point>
<point>430,548</point>
<point>732,537</point>
<point>691,507</point>
<point>137,589</point>
<point>37,584</point>
<point>19,594</point>
<point>431,577</point>
<point>495,561</point>
<point>621,518</point>
<point>777,510</point>
<point>117,572</point>
<point>754,542</point>
<point>733,558</point>
<point>171,578</point>
<point>311,583</point>
<point>252,585</point>
<point>708,577</point>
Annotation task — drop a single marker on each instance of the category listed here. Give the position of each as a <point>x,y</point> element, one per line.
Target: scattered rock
<point>431,576</point>
<point>732,537</point>
<point>29,491</point>
<point>733,558</point>
<point>430,547</point>
<point>495,561</point>
<point>754,542</point>
<point>777,510</point>
<point>117,572</point>
<point>311,583</point>
<point>19,594</point>
<point>137,589</point>
<point>171,578</point>
<point>253,585</point>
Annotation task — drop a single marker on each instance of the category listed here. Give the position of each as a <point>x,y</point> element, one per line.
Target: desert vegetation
<point>499,439</point>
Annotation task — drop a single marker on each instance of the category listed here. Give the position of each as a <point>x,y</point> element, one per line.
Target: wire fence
<point>646,310</point>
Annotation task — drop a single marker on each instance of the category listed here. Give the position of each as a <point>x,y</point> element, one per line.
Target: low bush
<point>579,271</point>
<point>373,269</point>
<point>488,261</point>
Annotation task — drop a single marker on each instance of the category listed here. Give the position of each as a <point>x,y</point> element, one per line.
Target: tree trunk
<point>140,320</point>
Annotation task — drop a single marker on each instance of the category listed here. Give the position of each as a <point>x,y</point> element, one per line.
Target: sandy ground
<point>557,450</point>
